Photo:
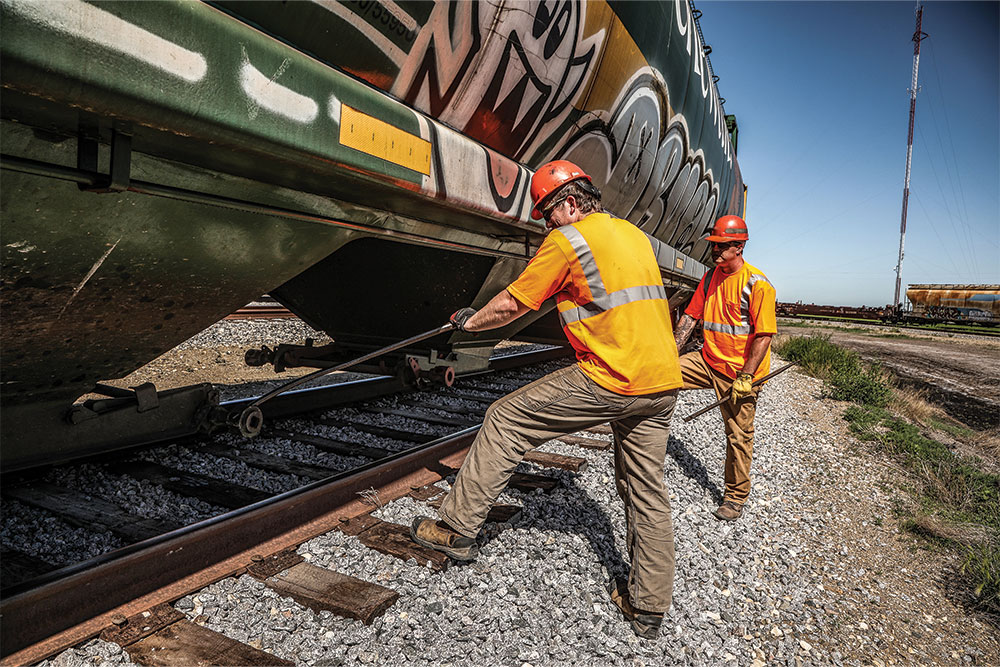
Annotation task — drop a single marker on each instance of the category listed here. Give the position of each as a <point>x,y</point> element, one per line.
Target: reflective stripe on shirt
<point>730,329</point>
<point>602,301</point>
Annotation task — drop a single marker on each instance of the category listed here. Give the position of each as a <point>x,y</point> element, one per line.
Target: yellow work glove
<point>742,386</point>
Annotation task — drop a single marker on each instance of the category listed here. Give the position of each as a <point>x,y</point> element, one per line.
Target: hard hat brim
<point>723,239</point>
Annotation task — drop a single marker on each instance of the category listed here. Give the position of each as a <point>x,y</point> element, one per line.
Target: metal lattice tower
<point>918,36</point>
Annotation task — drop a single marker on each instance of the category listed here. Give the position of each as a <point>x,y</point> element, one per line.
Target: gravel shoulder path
<point>815,572</point>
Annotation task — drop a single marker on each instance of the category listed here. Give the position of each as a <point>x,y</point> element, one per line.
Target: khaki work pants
<point>563,402</point>
<point>738,420</point>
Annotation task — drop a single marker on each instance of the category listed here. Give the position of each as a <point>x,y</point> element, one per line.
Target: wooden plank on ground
<point>358,524</point>
<point>474,415</point>
<point>380,431</point>
<point>600,429</point>
<point>331,445</point>
<point>426,417</point>
<point>17,566</point>
<point>262,568</point>
<point>497,513</point>
<point>321,589</point>
<point>503,513</point>
<point>184,643</point>
<point>527,482</point>
<point>394,540</point>
<point>479,400</point>
<point>80,509</point>
<point>271,463</point>
<point>134,628</point>
<point>209,489</point>
<point>587,443</point>
<point>425,492</point>
<point>551,460</point>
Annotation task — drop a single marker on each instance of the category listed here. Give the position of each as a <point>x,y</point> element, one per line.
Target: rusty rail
<point>78,602</point>
<point>63,608</point>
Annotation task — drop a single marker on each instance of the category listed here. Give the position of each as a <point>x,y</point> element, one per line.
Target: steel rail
<point>55,611</point>
<point>78,602</point>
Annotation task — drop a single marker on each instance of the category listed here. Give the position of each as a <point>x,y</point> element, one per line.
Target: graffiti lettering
<point>520,78</point>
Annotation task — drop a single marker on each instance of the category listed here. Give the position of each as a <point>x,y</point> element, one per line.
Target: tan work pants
<point>738,420</point>
<point>561,403</point>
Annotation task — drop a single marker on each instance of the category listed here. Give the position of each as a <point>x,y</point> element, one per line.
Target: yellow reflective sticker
<point>382,140</point>
<point>679,263</point>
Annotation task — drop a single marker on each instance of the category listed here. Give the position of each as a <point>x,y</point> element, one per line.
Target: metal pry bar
<point>755,383</point>
<point>251,420</point>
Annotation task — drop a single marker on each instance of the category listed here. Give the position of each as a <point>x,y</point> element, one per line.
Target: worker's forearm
<point>502,309</point>
<point>758,348</point>
<point>684,329</point>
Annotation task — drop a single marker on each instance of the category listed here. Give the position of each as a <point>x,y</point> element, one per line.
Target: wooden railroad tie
<point>321,589</point>
<point>550,460</point>
<point>586,443</point>
<point>163,636</point>
<point>394,540</point>
<point>331,445</point>
<point>17,566</point>
<point>80,509</point>
<point>209,489</point>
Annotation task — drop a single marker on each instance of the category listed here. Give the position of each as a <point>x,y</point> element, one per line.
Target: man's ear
<point>573,204</point>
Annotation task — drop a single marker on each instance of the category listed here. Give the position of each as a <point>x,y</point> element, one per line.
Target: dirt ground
<point>960,373</point>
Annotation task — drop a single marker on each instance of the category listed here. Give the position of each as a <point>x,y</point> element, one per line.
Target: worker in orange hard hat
<point>551,177</point>
<point>735,303</point>
<point>605,278</point>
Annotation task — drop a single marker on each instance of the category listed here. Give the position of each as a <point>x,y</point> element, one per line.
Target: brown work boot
<point>728,511</point>
<point>439,536</point>
<point>645,623</point>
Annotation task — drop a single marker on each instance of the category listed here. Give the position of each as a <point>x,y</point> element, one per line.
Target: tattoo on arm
<point>684,329</point>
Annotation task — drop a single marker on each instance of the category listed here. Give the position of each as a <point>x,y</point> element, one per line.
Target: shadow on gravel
<point>692,466</point>
<point>957,590</point>
<point>576,513</point>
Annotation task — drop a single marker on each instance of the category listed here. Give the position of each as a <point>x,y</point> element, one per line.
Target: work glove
<point>742,386</point>
<point>460,317</point>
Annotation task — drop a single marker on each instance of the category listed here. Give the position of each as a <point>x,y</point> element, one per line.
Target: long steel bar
<point>755,383</point>
<point>298,382</point>
<point>917,38</point>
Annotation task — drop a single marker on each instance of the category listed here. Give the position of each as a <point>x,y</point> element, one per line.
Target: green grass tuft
<point>850,379</point>
<point>960,501</point>
<point>981,567</point>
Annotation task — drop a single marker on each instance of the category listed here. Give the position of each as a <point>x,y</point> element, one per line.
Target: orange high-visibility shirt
<point>611,302</point>
<point>737,307</point>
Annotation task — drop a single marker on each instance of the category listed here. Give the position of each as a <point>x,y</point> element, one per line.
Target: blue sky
<point>819,90</point>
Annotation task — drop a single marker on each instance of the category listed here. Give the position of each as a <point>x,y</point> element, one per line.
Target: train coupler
<point>429,372</point>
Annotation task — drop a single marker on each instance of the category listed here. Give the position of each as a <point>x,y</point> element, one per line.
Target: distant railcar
<point>799,309</point>
<point>953,303</point>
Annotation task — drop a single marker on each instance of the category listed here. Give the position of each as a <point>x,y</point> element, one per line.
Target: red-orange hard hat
<point>549,178</point>
<point>729,228</point>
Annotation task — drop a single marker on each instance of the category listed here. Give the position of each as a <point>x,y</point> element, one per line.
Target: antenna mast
<point>917,38</point>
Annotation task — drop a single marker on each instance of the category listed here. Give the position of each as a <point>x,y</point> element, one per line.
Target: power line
<point>961,206</point>
<point>933,227</point>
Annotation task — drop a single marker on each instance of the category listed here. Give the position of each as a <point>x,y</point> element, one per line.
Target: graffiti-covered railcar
<point>954,303</point>
<point>365,163</point>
